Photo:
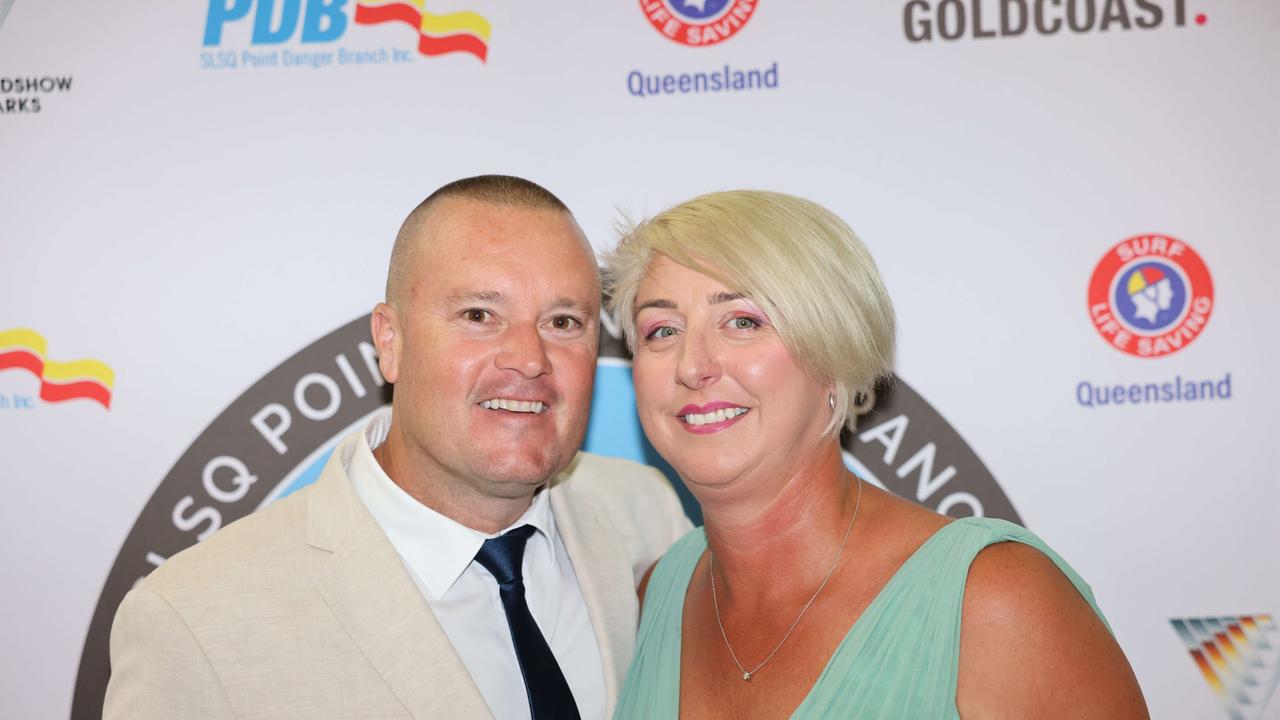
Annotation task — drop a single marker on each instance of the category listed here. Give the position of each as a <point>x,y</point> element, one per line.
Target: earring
<point>831,401</point>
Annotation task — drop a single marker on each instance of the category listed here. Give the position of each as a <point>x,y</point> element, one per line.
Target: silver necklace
<point>711,570</point>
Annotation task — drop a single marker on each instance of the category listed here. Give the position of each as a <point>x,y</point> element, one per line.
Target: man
<point>458,557</point>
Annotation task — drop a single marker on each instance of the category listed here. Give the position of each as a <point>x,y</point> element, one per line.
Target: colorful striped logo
<point>1238,656</point>
<point>27,349</point>
<point>465,32</point>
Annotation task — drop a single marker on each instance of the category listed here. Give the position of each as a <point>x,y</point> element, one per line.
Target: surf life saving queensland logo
<point>1150,296</point>
<point>266,34</point>
<point>699,24</point>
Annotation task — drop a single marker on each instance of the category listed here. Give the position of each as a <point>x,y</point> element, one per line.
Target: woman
<point>758,321</point>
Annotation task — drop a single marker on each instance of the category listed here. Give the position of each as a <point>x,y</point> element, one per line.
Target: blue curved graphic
<point>309,475</point>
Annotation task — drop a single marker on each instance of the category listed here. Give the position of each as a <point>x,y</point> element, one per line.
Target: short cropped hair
<point>499,190</point>
<point>794,258</point>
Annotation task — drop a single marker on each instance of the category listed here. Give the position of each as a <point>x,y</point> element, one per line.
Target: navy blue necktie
<point>549,694</point>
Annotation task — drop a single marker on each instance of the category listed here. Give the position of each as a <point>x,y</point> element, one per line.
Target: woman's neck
<point>774,546</point>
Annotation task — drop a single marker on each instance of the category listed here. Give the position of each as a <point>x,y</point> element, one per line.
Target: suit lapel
<point>604,574</point>
<point>371,594</point>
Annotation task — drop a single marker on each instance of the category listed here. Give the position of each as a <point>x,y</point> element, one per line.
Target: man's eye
<point>565,322</point>
<point>476,314</point>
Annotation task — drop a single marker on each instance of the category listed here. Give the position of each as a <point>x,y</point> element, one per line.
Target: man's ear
<point>384,325</point>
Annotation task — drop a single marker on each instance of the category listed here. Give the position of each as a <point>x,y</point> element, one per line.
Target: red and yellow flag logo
<point>27,349</point>
<point>437,34</point>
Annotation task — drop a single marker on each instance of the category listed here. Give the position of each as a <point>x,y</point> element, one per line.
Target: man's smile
<point>516,406</point>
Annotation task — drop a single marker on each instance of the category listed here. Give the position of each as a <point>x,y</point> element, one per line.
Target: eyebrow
<point>487,296</point>
<point>712,299</point>
<point>724,297</point>
<point>565,302</point>
<point>494,297</point>
<point>660,303</point>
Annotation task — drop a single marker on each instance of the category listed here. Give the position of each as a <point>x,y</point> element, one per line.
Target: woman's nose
<point>698,366</point>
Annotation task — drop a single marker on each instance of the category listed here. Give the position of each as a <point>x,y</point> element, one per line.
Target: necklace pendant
<point>746,676</point>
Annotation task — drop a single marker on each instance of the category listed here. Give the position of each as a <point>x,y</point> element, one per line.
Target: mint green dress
<point>899,660</point>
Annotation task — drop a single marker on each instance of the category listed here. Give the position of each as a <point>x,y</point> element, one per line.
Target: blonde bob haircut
<point>795,259</point>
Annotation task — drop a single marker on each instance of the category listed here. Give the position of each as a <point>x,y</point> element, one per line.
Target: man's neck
<point>456,501</point>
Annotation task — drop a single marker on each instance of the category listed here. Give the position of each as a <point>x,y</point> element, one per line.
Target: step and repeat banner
<point>1073,203</point>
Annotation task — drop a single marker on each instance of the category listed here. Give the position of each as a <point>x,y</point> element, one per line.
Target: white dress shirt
<point>439,554</point>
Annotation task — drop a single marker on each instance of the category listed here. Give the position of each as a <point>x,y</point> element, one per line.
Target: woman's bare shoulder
<point>1032,646</point>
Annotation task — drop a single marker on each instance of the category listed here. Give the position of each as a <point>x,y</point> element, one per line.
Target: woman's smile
<point>710,418</point>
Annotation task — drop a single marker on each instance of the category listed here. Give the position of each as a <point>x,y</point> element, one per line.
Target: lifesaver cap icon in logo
<point>1150,295</point>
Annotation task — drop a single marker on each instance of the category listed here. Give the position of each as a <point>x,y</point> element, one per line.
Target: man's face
<point>496,352</point>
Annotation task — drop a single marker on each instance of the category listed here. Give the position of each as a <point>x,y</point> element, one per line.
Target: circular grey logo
<point>275,438</point>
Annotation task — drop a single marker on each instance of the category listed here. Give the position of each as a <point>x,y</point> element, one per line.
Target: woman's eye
<point>660,333</point>
<point>743,323</point>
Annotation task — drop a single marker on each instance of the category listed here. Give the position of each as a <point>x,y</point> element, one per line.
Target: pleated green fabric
<point>899,660</point>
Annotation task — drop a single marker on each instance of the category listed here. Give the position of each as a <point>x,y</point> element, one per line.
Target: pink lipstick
<point>710,418</point>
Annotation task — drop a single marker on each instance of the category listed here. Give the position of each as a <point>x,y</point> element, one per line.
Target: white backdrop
<point>192,228</point>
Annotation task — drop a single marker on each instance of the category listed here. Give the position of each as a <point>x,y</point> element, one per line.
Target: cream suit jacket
<point>304,610</point>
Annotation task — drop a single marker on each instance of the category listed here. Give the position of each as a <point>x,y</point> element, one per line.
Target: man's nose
<point>698,366</point>
<point>524,350</point>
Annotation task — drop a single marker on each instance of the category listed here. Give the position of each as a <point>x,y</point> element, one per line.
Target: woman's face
<point>718,394</point>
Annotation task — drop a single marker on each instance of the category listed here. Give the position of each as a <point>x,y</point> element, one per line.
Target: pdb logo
<point>275,22</point>
<point>322,20</point>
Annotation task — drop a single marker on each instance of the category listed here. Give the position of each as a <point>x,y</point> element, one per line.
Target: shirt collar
<point>434,546</point>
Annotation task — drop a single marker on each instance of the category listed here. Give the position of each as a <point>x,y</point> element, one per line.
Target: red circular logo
<point>698,23</point>
<point>1150,295</point>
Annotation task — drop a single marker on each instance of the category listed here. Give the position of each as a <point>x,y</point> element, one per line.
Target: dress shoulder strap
<point>901,658</point>
<point>975,534</point>
<point>652,688</point>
